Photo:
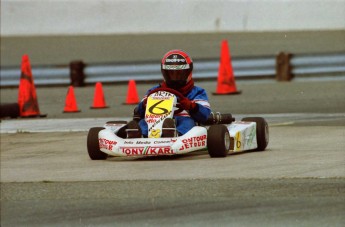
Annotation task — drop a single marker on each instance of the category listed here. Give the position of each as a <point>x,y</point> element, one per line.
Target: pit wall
<point>91,17</point>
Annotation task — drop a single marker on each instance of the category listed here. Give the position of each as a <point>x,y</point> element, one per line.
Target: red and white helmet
<point>177,67</point>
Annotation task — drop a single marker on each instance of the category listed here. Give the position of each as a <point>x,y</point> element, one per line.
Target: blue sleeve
<point>141,109</point>
<point>201,114</point>
<point>199,96</point>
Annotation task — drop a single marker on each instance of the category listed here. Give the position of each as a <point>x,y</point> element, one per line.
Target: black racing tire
<point>218,141</point>
<point>9,110</point>
<point>93,145</point>
<point>262,132</point>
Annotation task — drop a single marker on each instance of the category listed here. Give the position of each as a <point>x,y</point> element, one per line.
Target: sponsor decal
<point>107,144</point>
<point>161,95</point>
<point>238,140</point>
<point>144,142</point>
<point>175,60</point>
<point>250,137</point>
<point>159,107</point>
<point>155,122</point>
<point>175,67</point>
<point>155,133</point>
<point>160,142</point>
<point>157,111</point>
<point>131,151</point>
<point>196,141</point>
<point>153,115</point>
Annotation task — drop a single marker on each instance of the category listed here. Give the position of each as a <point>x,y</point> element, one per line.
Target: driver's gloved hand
<point>188,105</point>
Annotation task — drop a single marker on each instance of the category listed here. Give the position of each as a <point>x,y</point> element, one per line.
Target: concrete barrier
<point>56,32</point>
<point>79,17</point>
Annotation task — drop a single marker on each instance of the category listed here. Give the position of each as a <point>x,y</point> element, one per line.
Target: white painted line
<point>53,125</point>
<point>84,124</point>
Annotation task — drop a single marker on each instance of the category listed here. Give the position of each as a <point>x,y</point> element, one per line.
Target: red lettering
<point>160,151</point>
<point>133,151</point>
<point>167,150</point>
<point>149,121</point>
<point>152,151</point>
<point>152,116</point>
<point>194,139</point>
<point>197,141</point>
<point>105,141</point>
<point>129,151</point>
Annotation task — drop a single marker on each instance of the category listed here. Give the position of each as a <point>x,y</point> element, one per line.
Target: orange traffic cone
<point>226,81</point>
<point>98,100</point>
<point>132,94</point>
<point>71,102</point>
<point>27,98</point>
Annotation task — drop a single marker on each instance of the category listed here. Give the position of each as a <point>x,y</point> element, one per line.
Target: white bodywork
<point>110,143</point>
<point>242,134</point>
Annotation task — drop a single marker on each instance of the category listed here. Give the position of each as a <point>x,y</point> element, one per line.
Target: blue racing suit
<point>185,120</point>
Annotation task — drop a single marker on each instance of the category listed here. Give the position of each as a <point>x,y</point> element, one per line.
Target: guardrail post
<point>283,67</point>
<point>77,75</point>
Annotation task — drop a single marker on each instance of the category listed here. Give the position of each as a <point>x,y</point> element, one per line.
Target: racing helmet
<point>176,67</point>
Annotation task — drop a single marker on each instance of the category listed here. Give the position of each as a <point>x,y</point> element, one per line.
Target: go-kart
<point>220,134</point>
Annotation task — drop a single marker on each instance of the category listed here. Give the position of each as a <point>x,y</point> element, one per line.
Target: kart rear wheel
<point>93,145</point>
<point>262,134</point>
<point>218,141</point>
<point>9,110</point>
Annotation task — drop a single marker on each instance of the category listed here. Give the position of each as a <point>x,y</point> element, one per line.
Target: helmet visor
<point>176,75</point>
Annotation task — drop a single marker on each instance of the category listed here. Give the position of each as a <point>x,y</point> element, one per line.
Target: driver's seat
<point>168,128</point>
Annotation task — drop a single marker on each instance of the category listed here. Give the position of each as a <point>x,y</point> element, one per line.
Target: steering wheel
<point>172,91</point>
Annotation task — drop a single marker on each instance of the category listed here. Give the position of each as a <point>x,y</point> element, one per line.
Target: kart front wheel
<point>218,141</point>
<point>262,135</point>
<point>93,145</point>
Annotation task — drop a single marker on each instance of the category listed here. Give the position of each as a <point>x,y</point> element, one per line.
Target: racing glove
<point>187,104</point>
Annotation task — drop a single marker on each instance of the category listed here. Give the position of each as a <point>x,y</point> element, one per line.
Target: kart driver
<point>176,67</point>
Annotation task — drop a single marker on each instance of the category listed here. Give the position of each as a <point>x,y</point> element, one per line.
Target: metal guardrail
<point>318,64</point>
<point>203,69</point>
<point>42,76</point>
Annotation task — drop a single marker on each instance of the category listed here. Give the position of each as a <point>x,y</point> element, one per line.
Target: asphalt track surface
<point>92,49</point>
<point>47,178</point>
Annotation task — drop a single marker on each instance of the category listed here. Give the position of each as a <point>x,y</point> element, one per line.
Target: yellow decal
<point>158,106</point>
<point>238,140</point>
<point>155,133</point>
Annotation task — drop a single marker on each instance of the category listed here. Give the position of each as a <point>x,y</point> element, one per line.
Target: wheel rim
<point>227,141</point>
<point>266,134</point>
